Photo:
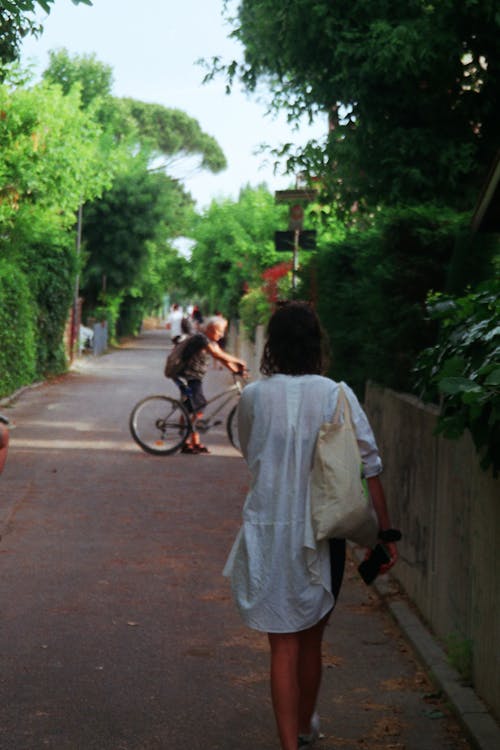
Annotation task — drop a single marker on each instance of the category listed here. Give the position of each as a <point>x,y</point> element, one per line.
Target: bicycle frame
<point>203,424</point>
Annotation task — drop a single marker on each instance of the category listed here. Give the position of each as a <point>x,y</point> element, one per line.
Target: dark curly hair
<point>295,341</point>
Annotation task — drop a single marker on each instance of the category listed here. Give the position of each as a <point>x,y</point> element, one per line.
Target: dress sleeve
<point>372,463</point>
<point>245,419</point>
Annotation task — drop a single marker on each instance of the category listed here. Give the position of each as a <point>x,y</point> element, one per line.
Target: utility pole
<point>295,237</point>
<point>75,322</point>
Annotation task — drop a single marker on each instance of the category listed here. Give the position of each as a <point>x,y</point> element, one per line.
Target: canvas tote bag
<point>340,504</point>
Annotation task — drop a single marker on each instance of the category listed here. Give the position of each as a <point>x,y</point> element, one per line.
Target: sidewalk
<point>481,728</point>
<point>118,628</point>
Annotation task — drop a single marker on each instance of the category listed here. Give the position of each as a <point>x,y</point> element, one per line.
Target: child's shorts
<point>193,397</point>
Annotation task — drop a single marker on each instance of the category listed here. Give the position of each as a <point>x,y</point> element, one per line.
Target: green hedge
<point>372,288</point>
<point>52,279</point>
<point>17,330</point>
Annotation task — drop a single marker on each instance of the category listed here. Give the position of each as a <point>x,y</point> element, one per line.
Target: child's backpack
<point>187,325</point>
<point>182,353</point>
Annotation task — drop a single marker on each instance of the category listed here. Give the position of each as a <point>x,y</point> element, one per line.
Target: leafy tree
<point>51,160</point>
<point>234,244</point>
<point>463,369</point>
<point>127,229</point>
<point>129,261</point>
<point>173,135</point>
<point>51,156</point>
<point>161,132</point>
<point>412,91</point>
<point>17,21</point>
<point>92,77</point>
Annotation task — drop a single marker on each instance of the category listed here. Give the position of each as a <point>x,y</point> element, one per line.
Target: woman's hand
<point>393,554</point>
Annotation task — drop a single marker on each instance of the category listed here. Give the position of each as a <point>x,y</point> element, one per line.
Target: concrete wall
<point>241,346</point>
<point>449,511</point>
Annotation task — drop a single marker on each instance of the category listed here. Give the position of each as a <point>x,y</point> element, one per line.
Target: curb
<point>481,728</point>
<point>10,399</point>
<point>14,396</point>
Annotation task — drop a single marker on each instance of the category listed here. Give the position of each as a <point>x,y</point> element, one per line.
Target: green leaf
<point>493,378</point>
<point>451,386</point>
<point>492,334</point>
<point>453,367</point>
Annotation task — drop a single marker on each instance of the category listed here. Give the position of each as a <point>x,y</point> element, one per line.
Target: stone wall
<point>449,511</point>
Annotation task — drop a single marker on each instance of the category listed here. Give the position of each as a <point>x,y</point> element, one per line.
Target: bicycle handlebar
<point>242,373</point>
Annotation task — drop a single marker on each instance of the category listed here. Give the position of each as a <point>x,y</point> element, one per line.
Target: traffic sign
<point>295,196</point>
<point>296,216</point>
<point>285,241</point>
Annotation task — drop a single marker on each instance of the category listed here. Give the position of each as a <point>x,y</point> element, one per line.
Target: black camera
<point>369,569</point>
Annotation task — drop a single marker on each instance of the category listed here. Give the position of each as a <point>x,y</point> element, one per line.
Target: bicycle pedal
<point>217,422</point>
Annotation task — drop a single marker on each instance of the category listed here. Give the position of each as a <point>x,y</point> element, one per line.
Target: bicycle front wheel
<point>159,424</point>
<point>232,428</point>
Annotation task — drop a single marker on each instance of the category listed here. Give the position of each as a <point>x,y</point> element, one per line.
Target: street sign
<point>296,216</point>
<point>295,196</point>
<point>285,241</point>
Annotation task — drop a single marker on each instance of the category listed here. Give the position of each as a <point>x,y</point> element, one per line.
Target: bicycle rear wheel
<point>159,424</point>
<point>232,428</point>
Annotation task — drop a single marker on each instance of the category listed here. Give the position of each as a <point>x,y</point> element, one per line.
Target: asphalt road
<point>117,630</point>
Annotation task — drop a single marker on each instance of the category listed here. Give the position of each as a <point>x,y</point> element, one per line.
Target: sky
<point>152,47</point>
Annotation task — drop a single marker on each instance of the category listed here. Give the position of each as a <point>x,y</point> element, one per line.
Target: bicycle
<point>162,424</point>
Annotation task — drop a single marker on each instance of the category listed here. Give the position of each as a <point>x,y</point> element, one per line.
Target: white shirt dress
<point>280,576</point>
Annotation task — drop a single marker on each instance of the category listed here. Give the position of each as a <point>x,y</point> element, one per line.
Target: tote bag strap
<point>342,407</point>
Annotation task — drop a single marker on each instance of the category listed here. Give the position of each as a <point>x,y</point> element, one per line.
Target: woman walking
<point>284,582</point>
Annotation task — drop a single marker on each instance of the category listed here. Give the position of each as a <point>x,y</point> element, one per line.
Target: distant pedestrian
<point>174,323</point>
<point>197,316</point>
<point>285,583</point>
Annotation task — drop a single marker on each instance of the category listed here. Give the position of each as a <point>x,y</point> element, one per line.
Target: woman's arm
<point>380,505</point>
<point>372,467</point>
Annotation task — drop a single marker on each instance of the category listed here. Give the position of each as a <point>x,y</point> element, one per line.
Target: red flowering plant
<point>272,276</point>
<point>257,304</point>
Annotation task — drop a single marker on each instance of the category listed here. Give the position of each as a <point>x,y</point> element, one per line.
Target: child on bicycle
<point>193,372</point>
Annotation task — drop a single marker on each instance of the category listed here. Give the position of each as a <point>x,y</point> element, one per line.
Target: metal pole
<point>75,332</point>
<point>296,235</point>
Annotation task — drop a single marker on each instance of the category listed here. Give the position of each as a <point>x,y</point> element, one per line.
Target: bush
<point>463,369</point>
<point>132,313</point>
<point>17,330</point>
<point>52,274</point>
<point>372,288</point>
<point>254,310</point>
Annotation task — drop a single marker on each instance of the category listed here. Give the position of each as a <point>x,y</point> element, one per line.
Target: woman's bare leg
<point>296,667</point>
<point>285,686</point>
<point>309,673</point>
